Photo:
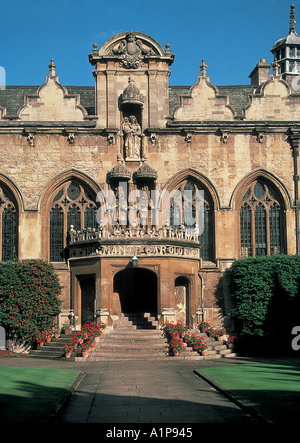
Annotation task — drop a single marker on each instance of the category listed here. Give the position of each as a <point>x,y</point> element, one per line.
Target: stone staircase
<point>215,349</point>
<point>136,337</point>
<point>53,350</point>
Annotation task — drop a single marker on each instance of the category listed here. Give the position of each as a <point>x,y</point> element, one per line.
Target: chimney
<point>261,73</point>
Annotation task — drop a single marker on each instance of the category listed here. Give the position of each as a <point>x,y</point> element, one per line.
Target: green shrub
<point>29,298</point>
<point>266,296</point>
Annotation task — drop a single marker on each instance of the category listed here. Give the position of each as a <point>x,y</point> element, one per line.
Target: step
<point>53,350</point>
<point>138,344</point>
<point>132,339</point>
<point>139,333</point>
<point>138,321</point>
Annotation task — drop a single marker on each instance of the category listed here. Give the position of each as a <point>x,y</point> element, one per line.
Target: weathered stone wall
<point>52,139</point>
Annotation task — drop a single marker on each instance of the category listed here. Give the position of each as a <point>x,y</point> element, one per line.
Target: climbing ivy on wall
<point>266,299</point>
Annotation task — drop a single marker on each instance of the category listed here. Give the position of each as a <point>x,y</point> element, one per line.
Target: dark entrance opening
<point>87,286</point>
<point>137,289</point>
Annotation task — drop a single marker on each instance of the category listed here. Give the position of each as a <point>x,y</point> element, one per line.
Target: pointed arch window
<point>183,202</point>
<point>74,205</point>
<point>8,225</point>
<point>261,221</point>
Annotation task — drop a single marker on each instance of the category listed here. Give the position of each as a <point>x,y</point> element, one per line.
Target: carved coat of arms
<point>131,51</point>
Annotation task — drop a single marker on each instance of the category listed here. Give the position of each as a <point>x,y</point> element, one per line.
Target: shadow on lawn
<point>280,406</point>
<point>37,404</point>
<point>280,401</point>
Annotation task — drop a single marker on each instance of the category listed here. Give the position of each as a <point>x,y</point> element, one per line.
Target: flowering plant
<point>92,330</point>
<point>231,340</point>
<point>176,344</point>
<point>204,325</point>
<point>219,332</point>
<point>75,340</point>
<point>40,337</point>
<point>85,345</point>
<point>181,328</point>
<point>31,300</point>
<point>65,327</point>
<point>202,346</point>
<point>186,336</point>
<point>197,343</point>
<point>49,331</point>
<point>68,348</point>
<point>168,328</point>
<point>84,338</point>
<point>192,339</point>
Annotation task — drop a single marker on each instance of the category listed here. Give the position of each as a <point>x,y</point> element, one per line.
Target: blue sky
<point>231,35</point>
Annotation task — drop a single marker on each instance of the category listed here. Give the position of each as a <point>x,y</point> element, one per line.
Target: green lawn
<point>32,395</point>
<point>271,389</point>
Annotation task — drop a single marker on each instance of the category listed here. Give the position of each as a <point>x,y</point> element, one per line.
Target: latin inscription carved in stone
<point>147,250</point>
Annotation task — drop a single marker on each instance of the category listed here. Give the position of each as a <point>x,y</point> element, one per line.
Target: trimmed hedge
<point>29,298</point>
<point>266,299</point>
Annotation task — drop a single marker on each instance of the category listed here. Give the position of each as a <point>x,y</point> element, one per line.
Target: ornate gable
<point>131,50</point>
<point>52,102</point>
<point>274,101</point>
<point>204,102</point>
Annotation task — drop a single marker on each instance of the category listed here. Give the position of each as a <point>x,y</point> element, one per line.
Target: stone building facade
<point>141,194</point>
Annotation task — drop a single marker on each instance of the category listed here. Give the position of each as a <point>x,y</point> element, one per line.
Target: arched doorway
<point>137,289</point>
<point>182,299</point>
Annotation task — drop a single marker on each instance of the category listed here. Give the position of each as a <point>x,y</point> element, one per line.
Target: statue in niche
<point>132,137</point>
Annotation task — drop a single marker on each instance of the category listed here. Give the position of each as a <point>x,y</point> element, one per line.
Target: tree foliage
<point>29,298</point>
<point>266,296</point>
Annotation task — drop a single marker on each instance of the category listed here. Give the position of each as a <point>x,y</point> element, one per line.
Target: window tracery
<point>8,225</point>
<point>261,221</point>
<point>187,192</point>
<point>73,205</point>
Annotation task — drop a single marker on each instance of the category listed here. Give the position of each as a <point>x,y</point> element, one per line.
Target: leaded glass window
<point>56,233</point>
<point>183,211</point>
<point>261,221</point>
<point>245,221</point>
<point>8,225</point>
<point>205,237</point>
<point>74,205</point>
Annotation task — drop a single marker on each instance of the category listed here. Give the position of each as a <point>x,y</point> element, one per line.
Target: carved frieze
<point>116,250</point>
<point>118,233</point>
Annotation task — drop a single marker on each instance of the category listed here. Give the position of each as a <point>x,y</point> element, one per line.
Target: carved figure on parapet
<point>136,231</point>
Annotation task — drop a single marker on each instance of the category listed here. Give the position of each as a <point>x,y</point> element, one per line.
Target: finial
<point>203,67</point>
<point>275,67</point>
<point>52,67</point>
<point>95,48</point>
<point>292,19</point>
<point>168,48</point>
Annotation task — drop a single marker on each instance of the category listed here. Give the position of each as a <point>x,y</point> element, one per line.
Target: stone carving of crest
<point>131,51</point>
